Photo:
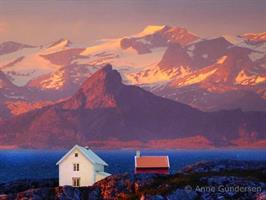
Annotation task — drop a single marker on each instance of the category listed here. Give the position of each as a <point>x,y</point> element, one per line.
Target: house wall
<point>86,170</point>
<point>151,170</point>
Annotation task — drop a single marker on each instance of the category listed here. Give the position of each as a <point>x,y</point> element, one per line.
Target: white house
<point>81,167</point>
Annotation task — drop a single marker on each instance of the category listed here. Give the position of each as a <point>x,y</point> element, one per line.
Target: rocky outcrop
<point>222,165</point>
<point>204,181</point>
<point>29,189</point>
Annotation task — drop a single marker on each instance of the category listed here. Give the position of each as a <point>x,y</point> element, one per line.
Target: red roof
<point>152,162</point>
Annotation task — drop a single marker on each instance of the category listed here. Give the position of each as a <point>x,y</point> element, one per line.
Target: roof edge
<point>80,149</point>
<point>66,154</point>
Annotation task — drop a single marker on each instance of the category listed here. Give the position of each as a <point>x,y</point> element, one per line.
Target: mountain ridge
<point>106,108</point>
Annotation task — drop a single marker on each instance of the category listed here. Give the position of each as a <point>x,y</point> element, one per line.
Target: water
<point>38,164</point>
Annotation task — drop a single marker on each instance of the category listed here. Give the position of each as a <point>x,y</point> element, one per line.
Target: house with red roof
<point>151,164</point>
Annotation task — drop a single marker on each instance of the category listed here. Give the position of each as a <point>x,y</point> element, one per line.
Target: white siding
<point>86,170</point>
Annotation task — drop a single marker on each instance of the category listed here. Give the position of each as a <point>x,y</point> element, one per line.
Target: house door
<point>76,181</point>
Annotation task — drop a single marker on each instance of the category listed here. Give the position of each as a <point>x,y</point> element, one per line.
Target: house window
<point>76,166</point>
<point>76,181</point>
<point>76,154</point>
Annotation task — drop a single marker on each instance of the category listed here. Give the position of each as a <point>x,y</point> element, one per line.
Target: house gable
<point>89,154</point>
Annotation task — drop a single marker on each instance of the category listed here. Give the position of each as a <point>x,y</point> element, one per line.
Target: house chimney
<point>86,147</point>
<point>138,154</point>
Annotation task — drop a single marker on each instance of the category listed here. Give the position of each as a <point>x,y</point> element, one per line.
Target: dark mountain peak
<point>237,57</point>
<point>174,56</point>
<point>214,43</point>
<point>177,35</point>
<point>221,39</point>
<point>173,29</point>
<point>2,75</point>
<point>98,91</point>
<point>104,89</point>
<point>107,68</point>
<point>62,41</point>
<point>4,81</point>
<point>165,28</point>
<point>11,46</point>
<point>106,78</point>
<point>13,43</point>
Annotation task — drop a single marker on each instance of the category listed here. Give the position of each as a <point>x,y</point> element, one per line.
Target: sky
<point>85,21</point>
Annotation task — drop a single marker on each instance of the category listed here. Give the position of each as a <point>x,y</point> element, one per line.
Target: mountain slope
<point>105,109</point>
<point>62,83</point>
<point>214,71</point>
<point>8,91</point>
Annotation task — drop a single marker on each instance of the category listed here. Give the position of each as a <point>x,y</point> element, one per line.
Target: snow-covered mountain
<point>169,61</point>
<point>26,63</point>
<point>254,38</point>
